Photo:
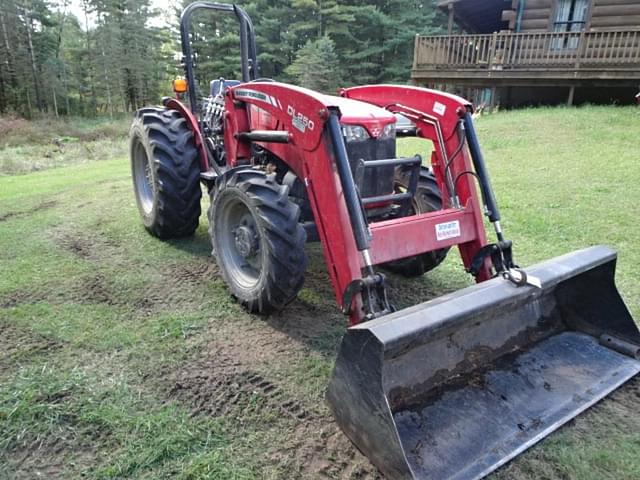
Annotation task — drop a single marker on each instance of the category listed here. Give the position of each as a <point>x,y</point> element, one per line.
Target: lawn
<point>122,356</point>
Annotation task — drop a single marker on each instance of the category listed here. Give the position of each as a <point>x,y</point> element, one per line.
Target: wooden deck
<point>545,58</point>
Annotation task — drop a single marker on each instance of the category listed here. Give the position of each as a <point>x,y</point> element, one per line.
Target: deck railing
<point>545,50</point>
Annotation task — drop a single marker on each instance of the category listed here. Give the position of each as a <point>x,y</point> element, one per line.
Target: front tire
<point>427,199</point>
<point>165,171</point>
<point>257,239</point>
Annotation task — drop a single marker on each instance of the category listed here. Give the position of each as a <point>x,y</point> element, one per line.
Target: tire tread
<point>177,173</point>
<point>283,237</point>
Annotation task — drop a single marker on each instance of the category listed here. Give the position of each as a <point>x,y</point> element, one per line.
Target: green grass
<point>122,356</point>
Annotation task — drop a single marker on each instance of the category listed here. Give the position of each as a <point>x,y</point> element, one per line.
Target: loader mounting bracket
<point>374,296</point>
<point>501,257</point>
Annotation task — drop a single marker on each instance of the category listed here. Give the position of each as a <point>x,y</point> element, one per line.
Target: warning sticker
<point>447,230</point>
<point>439,108</point>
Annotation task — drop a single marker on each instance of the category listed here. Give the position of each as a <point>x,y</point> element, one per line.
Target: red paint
<point>371,117</point>
<point>303,114</point>
<point>390,237</point>
<point>418,104</point>
<point>276,106</point>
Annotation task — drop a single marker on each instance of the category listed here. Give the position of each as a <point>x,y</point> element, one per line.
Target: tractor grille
<point>375,181</point>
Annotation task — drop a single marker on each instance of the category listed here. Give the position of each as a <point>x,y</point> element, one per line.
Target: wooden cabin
<point>516,52</point>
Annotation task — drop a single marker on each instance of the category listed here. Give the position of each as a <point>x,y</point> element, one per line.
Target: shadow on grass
<point>314,317</point>
<point>198,244</point>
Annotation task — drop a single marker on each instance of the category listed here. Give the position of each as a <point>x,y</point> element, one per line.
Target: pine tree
<point>317,66</point>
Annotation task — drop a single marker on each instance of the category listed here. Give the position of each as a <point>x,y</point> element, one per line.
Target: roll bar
<point>248,57</point>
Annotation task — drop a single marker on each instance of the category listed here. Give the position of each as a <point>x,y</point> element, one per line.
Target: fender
<point>192,122</point>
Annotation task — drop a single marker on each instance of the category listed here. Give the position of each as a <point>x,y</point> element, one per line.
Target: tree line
<point>112,56</point>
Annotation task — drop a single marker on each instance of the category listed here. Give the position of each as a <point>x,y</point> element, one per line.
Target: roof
<point>478,16</point>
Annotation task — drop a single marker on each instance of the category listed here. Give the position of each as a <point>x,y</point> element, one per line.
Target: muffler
<point>457,386</point>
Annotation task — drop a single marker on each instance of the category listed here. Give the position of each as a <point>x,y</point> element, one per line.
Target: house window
<point>571,16</point>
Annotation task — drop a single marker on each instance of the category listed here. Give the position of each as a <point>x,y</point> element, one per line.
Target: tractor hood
<point>354,112</point>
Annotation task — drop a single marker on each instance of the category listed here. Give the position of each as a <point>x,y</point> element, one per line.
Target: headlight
<point>354,133</point>
<point>388,132</point>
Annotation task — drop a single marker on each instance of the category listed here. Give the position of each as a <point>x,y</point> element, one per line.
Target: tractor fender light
<point>180,85</point>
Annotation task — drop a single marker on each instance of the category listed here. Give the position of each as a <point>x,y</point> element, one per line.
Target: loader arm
<point>304,137</point>
<point>440,117</point>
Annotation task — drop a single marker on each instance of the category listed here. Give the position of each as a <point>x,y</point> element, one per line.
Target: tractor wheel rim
<point>143,177</point>
<point>240,246</point>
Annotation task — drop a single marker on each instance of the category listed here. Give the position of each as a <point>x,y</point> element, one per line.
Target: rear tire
<point>165,171</point>
<point>427,199</point>
<point>257,239</point>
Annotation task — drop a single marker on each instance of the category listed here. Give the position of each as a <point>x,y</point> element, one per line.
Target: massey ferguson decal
<point>300,121</point>
<point>255,95</point>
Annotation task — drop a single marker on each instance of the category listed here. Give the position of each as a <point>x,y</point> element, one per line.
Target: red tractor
<point>451,388</point>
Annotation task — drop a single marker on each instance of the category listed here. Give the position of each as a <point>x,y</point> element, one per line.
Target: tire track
<point>235,375</point>
<point>24,213</point>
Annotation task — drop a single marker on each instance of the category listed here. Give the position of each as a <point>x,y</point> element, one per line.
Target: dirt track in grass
<point>19,344</point>
<point>23,213</point>
<point>243,376</point>
<point>234,371</point>
<point>248,370</point>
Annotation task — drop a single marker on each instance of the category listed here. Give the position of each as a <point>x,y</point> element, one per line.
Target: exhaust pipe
<point>457,386</point>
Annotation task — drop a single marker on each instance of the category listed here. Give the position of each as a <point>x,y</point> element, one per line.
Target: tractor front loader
<point>448,389</point>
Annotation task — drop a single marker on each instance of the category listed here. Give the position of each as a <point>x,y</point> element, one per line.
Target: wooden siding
<point>537,15</point>
<point>603,15</point>
<point>615,14</point>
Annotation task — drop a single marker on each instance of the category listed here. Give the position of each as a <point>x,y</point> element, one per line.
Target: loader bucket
<point>457,386</point>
